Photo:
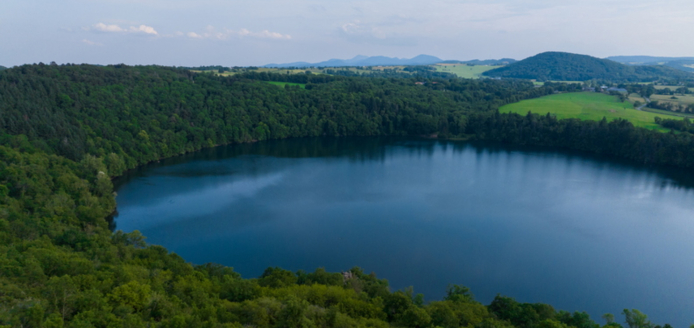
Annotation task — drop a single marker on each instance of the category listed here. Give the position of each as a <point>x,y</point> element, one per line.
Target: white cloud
<point>224,34</point>
<point>91,43</point>
<point>101,27</point>
<point>108,28</point>
<point>143,29</point>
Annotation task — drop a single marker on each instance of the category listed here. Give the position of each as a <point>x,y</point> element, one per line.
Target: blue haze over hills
<point>681,63</point>
<point>389,61</point>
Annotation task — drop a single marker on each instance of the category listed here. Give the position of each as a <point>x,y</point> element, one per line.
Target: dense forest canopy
<point>65,130</point>
<point>562,66</point>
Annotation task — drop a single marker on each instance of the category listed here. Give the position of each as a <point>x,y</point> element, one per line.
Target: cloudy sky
<point>258,32</point>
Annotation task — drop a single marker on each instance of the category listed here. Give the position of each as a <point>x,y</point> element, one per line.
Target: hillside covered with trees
<point>562,66</point>
<point>66,130</point>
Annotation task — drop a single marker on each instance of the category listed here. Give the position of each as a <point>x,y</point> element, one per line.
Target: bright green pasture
<point>586,106</point>
<point>282,84</point>
<point>463,70</point>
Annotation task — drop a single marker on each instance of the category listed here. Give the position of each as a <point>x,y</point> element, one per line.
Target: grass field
<point>635,97</point>
<point>282,84</point>
<point>586,106</point>
<point>681,99</point>
<point>671,87</point>
<point>464,71</point>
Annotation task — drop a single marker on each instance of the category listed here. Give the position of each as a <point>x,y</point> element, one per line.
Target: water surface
<point>572,230</point>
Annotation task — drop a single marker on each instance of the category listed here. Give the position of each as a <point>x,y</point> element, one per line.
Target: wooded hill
<point>562,66</point>
<point>64,130</point>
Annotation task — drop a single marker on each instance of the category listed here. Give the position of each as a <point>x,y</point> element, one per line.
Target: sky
<point>259,32</point>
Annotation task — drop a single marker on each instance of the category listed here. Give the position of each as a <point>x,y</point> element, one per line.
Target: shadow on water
<point>373,149</point>
<point>672,177</point>
<point>355,148</point>
<point>210,162</point>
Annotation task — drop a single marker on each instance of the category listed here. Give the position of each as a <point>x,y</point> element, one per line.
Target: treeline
<point>671,92</point>
<point>618,138</point>
<point>684,125</point>
<point>672,106</point>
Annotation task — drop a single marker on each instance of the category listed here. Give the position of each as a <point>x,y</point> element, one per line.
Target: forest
<point>66,130</point>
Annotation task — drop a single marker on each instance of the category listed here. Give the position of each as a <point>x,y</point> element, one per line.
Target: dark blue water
<point>572,230</point>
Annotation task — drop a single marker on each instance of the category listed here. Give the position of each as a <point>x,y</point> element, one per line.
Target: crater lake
<point>577,231</point>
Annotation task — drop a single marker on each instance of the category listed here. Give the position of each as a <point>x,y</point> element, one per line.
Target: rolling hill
<point>562,66</point>
<point>486,62</point>
<point>365,61</point>
<point>645,60</point>
<point>680,63</point>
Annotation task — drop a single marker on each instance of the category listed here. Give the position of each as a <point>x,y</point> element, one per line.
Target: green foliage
<point>276,278</point>
<point>635,319</point>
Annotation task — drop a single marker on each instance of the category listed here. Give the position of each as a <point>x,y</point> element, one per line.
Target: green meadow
<point>586,106</point>
<point>282,84</point>
<point>464,71</point>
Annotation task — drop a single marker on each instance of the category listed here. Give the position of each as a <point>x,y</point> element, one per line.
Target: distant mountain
<point>364,61</point>
<point>681,63</point>
<point>646,60</point>
<point>562,66</point>
<point>686,65</point>
<point>489,62</point>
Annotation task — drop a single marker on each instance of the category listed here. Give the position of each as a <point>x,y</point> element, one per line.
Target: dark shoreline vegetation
<point>66,130</point>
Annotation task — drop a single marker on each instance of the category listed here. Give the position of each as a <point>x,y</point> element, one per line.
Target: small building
<point>620,90</point>
<point>419,83</point>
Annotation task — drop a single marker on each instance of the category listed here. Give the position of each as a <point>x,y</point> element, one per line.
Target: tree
<point>635,319</point>
<point>459,293</point>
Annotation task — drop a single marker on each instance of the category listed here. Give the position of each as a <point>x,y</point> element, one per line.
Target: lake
<point>573,230</point>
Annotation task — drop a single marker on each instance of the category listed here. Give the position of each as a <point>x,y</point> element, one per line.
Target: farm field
<point>263,69</point>
<point>586,106</point>
<point>463,70</point>
<point>321,70</point>
<point>633,97</point>
<point>671,87</point>
<point>681,99</point>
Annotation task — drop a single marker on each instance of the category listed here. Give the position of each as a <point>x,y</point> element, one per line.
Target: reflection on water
<point>565,228</point>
